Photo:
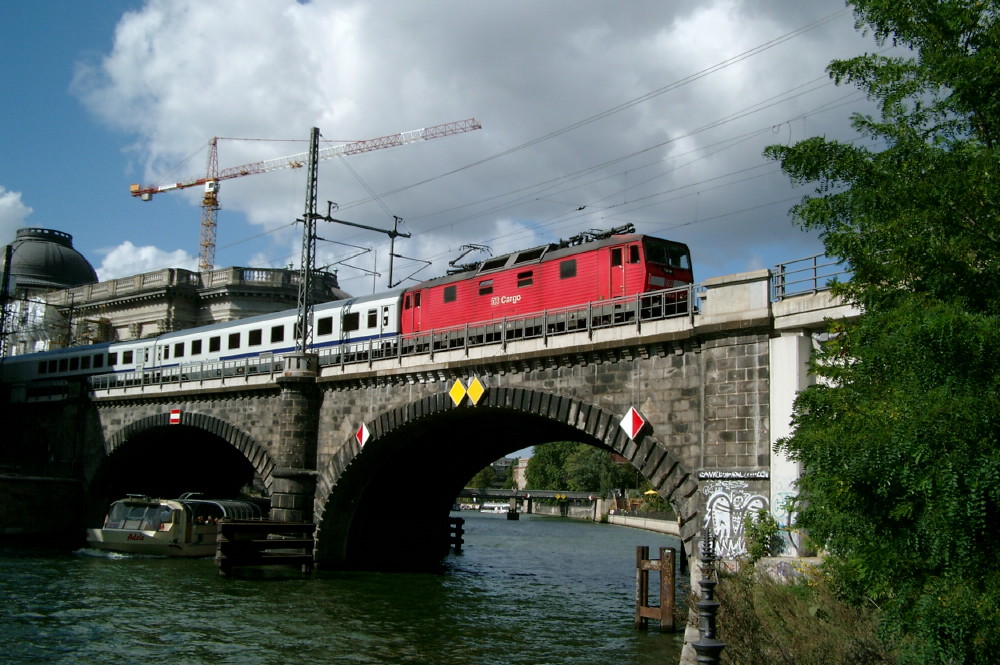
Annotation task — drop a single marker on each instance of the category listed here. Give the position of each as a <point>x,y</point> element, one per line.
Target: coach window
<point>486,287</point>
<point>179,350</point>
<point>255,337</point>
<point>373,318</point>
<point>63,364</point>
<point>166,352</point>
<point>112,360</point>
<point>325,326</point>
<point>450,293</point>
<point>616,257</point>
<point>234,341</point>
<point>526,278</point>
<point>351,322</point>
<point>74,363</point>
<point>195,347</point>
<point>214,344</point>
<point>99,361</point>
<point>42,367</point>
<point>85,362</point>
<point>277,334</point>
<point>127,357</point>
<point>567,269</point>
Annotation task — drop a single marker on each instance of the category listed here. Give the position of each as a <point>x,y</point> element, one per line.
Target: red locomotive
<point>587,268</point>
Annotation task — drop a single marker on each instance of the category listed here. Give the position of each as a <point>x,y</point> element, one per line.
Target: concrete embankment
<point>669,527</point>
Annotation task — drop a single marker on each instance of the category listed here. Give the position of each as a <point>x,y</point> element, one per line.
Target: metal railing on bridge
<point>810,274</point>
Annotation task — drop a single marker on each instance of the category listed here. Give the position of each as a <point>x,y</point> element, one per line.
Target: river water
<point>534,591</point>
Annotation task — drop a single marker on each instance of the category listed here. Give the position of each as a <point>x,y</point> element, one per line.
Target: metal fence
<point>806,275</point>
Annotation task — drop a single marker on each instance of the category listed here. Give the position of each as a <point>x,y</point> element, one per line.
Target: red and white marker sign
<point>632,423</point>
<point>362,435</point>
<point>175,416</point>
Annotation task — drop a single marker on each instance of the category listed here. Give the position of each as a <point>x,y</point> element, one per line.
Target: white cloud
<point>127,259</point>
<point>13,212</point>
<point>183,71</point>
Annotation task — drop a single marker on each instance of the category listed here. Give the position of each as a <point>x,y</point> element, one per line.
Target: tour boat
<point>494,507</point>
<point>186,526</point>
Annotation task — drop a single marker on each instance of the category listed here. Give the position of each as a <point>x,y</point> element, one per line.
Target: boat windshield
<point>141,517</point>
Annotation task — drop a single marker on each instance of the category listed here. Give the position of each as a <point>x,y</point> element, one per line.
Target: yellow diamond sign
<point>476,391</point>
<point>457,392</point>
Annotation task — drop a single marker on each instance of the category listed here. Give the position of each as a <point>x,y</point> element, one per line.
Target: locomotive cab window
<point>450,293</point>
<point>351,322</point>
<point>633,253</point>
<point>616,257</point>
<point>567,269</point>
<point>526,278</point>
<point>325,326</point>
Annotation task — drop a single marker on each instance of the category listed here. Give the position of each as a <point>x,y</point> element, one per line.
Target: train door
<point>411,311</point>
<point>612,269</point>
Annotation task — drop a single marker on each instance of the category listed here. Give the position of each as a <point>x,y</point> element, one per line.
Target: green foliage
<point>486,477</point>
<point>899,443</point>
<point>577,467</point>
<point>801,622</point>
<point>762,535</point>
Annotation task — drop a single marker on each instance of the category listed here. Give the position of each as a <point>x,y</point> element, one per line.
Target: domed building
<point>41,261</point>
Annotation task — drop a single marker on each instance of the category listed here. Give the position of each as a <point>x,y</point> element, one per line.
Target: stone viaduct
<point>376,452</point>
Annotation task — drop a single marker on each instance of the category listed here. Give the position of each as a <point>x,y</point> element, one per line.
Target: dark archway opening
<point>165,462</point>
<point>394,501</point>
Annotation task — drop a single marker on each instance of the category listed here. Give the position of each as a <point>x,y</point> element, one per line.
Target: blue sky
<point>593,116</point>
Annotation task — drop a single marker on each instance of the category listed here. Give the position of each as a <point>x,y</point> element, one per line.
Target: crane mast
<point>213,175</point>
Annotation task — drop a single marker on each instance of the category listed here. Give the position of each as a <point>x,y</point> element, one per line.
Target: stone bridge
<point>375,453</point>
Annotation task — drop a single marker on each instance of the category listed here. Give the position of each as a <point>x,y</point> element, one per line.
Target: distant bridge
<point>341,440</point>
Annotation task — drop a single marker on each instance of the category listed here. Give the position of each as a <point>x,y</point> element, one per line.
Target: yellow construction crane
<point>213,176</point>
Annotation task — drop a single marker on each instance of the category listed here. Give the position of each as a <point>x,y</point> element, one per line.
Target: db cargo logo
<point>504,300</point>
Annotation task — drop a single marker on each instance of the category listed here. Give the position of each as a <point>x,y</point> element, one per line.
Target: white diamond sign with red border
<point>362,435</point>
<point>632,423</point>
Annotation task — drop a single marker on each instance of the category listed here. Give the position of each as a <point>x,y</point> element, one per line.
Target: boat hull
<point>153,543</point>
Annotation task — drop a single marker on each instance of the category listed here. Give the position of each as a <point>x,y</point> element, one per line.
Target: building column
<point>295,474</point>
<point>790,355</point>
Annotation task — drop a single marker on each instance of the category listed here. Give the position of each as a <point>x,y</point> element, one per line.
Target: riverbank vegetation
<point>898,441</point>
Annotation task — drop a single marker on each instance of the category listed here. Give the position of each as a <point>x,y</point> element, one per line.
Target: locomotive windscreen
<point>667,253</point>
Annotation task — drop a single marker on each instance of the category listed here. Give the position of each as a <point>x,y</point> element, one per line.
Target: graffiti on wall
<point>727,504</point>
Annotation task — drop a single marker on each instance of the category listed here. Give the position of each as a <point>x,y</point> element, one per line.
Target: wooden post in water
<point>664,612</point>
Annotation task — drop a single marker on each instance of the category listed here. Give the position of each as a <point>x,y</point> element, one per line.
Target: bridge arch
<point>442,445</point>
<point>192,430</point>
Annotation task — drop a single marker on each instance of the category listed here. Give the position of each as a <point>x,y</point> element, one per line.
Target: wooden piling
<point>456,533</point>
<point>264,543</point>
<point>664,612</point>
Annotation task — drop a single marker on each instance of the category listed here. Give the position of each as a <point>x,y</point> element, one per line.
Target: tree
<point>577,467</point>
<point>899,442</point>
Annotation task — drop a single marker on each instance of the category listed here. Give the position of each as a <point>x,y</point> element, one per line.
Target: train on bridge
<point>555,278</point>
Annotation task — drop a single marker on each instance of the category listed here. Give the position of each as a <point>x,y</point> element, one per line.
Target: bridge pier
<point>295,474</point>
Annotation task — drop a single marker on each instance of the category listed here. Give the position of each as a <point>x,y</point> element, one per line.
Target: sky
<point>594,114</point>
